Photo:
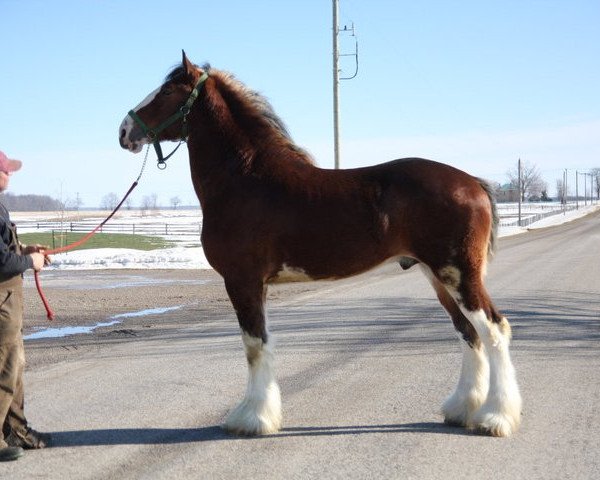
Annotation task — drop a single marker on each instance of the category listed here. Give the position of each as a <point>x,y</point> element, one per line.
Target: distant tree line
<point>45,203</point>
<point>534,189</point>
<point>149,202</point>
<point>30,203</point>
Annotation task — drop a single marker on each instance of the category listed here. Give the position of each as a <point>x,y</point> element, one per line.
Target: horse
<point>271,215</point>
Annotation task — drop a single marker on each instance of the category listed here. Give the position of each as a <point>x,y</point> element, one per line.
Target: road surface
<point>364,365</point>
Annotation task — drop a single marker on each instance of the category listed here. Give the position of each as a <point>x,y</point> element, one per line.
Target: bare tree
<point>532,183</point>
<point>109,201</point>
<point>149,202</point>
<point>175,201</point>
<point>560,190</point>
<point>596,176</point>
<point>154,201</point>
<point>29,203</point>
<point>73,203</point>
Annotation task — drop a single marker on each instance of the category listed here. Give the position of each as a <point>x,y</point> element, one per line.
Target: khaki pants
<point>12,357</point>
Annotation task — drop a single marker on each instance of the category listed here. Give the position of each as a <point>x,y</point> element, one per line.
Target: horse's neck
<point>209,175</point>
<point>222,153</point>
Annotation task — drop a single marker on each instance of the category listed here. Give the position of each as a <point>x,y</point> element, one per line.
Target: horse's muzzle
<point>131,136</point>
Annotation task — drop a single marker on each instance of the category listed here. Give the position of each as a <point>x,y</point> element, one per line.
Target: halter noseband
<point>182,113</point>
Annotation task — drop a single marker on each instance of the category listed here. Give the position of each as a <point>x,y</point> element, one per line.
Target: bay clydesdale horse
<point>270,215</point>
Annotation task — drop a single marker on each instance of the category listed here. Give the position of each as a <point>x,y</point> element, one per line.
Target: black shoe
<point>28,439</point>
<point>8,454</point>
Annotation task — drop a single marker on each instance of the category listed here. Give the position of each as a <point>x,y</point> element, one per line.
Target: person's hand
<point>29,249</point>
<point>37,248</point>
<point>39,260</point>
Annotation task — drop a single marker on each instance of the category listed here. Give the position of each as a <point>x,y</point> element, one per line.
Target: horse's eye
<point>167,90</point>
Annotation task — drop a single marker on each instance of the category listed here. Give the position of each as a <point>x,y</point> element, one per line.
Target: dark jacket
<point>12,263</point>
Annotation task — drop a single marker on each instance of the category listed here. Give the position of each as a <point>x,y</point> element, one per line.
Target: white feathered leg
<point>472,388</point>
<point>260,410</point>
<point>500,414</point>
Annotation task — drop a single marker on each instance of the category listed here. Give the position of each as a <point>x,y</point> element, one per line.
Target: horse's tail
<point>489,190</point>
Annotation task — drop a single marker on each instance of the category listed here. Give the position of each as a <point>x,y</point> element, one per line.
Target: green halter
<point>182,113</point>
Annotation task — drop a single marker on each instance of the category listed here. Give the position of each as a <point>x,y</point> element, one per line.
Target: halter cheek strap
<point>181,113</point>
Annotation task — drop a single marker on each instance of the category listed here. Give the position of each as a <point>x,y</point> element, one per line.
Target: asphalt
<point>364,365</point>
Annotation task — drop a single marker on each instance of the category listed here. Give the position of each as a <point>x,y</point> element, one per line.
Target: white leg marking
<point>472,388</point>
<point>260,410</point>
<point>500,415</point>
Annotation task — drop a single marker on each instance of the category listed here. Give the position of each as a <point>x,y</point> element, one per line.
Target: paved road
<point>364,366</point>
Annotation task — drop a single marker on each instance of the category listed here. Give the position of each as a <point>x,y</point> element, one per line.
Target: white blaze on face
<point>134,145</point>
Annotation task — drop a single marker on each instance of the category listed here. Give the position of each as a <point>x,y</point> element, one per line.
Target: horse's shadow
<point>155,436</point>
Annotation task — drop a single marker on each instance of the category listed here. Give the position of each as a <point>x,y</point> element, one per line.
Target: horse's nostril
<point>123,133</point>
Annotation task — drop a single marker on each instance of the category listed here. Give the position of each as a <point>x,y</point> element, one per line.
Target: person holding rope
<point>15,258</point>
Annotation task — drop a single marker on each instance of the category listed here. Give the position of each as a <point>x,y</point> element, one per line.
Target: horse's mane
<point>250,101</point>
<point>261,133</point>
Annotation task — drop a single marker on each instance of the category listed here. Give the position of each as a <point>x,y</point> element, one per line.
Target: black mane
<point>178,71</point>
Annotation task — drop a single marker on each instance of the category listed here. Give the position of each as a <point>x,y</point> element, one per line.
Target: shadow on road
<point>552,318</point>
<point>154,436</point>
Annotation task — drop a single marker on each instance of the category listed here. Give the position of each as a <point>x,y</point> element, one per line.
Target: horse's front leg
<point>260,410</point>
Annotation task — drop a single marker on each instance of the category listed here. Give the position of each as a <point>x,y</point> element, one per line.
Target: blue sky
<point>476,84</point>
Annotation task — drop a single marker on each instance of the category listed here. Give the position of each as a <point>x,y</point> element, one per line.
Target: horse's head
<point>162,114</point>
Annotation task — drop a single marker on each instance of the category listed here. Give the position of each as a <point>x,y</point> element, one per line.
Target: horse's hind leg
<point>500,414</point>
<point>472,388</point>
<point>259,412</point>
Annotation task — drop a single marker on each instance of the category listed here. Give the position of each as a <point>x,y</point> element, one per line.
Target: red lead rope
<point>66,248</point>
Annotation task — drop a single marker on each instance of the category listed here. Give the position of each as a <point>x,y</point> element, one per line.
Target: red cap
<point>8,164</point>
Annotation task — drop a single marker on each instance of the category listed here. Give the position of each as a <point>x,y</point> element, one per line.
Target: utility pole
<point>577,190</point>
<point>336,80</point>
<point>565,191</point>
<point>336,89</point>
<point>585,177</point>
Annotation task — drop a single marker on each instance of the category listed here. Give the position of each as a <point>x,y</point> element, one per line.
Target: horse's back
<point>411,185</point>
<point>433,207</point>
<point>421,174</point>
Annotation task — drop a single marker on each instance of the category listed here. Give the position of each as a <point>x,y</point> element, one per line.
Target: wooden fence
<point>509,216</point>
<point>155,229</point>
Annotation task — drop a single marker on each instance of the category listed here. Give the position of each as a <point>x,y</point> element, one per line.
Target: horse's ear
<point>186,64</point>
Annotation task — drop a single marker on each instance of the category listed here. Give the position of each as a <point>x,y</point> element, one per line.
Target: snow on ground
<point>193,257</point>
<point>114,258</point>
<point>550,221</point>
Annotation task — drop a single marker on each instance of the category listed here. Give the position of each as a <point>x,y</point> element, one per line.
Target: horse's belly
<point>328,271</point>
<point>289,274</point>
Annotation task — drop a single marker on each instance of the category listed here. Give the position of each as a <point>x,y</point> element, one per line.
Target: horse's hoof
<point>458,409</point>
<point>250,427</point>
<point>248,420</point>
<point>495,424</point>
<point>455,422</point>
